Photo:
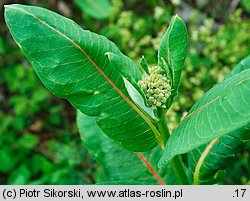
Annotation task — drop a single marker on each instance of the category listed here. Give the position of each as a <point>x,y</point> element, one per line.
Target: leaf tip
<point>177,17</point>
<point>7,7</point>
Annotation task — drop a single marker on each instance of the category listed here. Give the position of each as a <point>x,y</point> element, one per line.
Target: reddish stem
<point>151,169</point>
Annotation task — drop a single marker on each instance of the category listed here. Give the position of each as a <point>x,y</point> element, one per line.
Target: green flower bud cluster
<point>156,87</point>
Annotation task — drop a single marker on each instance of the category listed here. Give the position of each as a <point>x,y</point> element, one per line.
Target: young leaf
<point>173,51</point>
<point>128,69</point>
<point>100,9</point>
<point>220,111</point>
<point>144,65</point>
<point>138,99</point>
<point>207,163</point>
<point>71,63</point>
<point>121,166</point>
<point>131,75</point>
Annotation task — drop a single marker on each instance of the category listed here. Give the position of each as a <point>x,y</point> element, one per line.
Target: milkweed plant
<point>122,106</point>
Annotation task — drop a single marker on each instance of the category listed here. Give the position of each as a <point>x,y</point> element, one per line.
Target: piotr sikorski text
<point>74,193</point>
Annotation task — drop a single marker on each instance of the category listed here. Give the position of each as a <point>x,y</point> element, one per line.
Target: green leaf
<point>71,63</point>
<point>128,69</point>
<point>28,141</point>
<point>144,65</point>
<point>131,75</point>
<point>220,111</point>
<point>140,101</point>
<point>207,163</point>
<point>100,9</point>
<point>246,5</point>
<point>20,176</point>
<point>121,166</point>
<point>243,65</point>
<point>173,51</point>
<point>8,160</point>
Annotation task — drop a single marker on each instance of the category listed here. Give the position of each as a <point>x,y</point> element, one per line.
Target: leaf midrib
<point>151,169</point>
<point>201,160</point>
<point>199,109</point>
<point>207,104</point>
<point>171,28</point>
<point>153,128</point>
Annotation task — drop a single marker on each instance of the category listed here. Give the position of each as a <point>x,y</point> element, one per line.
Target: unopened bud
<point>156,87</point>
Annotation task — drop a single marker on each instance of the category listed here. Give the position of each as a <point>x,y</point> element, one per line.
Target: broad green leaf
<point>121,166</point>
<point>173,51</point>
<point>220,111</point>
<point>97,9</point>
<point>207,163</point>
<point>71,63</point>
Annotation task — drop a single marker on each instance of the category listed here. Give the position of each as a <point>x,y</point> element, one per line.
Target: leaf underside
<point>216,159</point>
<point>71,63</point>
<point>121,166</point>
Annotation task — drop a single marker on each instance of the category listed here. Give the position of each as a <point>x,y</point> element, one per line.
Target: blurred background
<point>39,141</point>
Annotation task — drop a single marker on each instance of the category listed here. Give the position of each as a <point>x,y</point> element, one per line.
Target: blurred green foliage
<point>39,142</point>
<point>99,10</point>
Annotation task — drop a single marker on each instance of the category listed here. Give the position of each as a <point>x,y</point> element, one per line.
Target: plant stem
<point>177,164</point>
<point>164,132</point>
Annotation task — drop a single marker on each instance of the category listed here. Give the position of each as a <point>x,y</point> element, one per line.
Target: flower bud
<point>156,87</point>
